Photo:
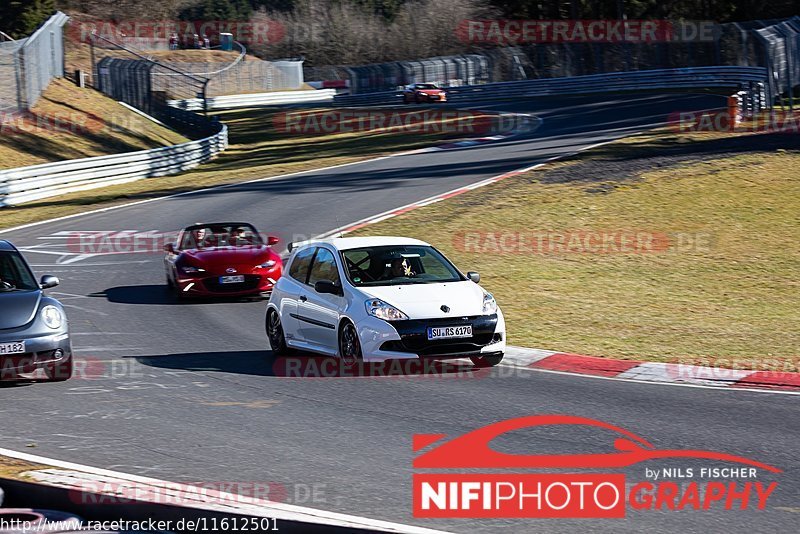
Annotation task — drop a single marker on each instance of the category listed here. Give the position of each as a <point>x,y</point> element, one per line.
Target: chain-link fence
<point>28,65</point>
<point>781,43</point>
<point>248,75</point>
<point>137,78</point>
<point>448,71</point>
<point>10,69</point>
<point>132,81</point>
<point>774,44</point>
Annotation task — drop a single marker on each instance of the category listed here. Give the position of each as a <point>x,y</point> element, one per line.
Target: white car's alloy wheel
<point>349,345</point>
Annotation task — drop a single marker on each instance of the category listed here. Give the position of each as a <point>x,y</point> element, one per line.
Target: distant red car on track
<point>222,259</point>
<point>423,92</point>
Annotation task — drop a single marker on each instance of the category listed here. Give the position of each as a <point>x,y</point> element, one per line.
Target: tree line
<point>329,32</point>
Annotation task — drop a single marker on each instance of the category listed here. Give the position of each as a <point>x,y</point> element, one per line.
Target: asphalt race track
<point>188,393</point>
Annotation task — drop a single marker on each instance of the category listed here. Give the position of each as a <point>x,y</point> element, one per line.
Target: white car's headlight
<point>489,304</point>
<point>52,317</point>
<point>382,310</point>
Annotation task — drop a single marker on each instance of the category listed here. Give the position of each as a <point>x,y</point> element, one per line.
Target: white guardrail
<point>255,100</point>
<point>26,184</point>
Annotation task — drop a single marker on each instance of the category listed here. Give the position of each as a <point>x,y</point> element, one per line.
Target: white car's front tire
<point>274,327</point>
<point>488,360</point>
<point>349,344</point>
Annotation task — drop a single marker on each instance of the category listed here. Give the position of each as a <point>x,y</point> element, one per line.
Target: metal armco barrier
<point>254,100</point>
<point>26,184</point>
<point>752,80</point>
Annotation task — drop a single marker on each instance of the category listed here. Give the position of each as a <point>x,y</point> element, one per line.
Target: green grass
<point>734,294</point>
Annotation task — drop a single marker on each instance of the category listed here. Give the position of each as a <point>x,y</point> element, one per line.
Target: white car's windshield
<point>394,265</point>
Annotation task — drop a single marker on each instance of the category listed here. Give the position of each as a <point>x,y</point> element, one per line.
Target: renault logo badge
<point>444,308</point>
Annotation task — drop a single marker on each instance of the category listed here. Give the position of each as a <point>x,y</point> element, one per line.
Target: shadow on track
<point>160,295</point>
<point>307,366</point>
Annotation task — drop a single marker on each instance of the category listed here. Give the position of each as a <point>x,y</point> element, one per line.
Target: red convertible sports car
<point>222,259</point>
<point>423,92</point>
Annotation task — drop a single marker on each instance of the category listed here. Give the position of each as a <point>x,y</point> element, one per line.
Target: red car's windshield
<point>219,235</point>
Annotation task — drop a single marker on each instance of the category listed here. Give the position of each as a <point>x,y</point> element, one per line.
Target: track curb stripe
<point>670,373</point>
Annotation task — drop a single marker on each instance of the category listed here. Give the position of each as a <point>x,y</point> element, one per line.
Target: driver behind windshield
<point>14,274</point>
<point>6,284</point>
<point>199,237</point>
<point>398,268</point>
<point>239,237</point>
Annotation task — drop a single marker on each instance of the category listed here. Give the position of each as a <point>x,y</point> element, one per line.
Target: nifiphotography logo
<point>574,494</point>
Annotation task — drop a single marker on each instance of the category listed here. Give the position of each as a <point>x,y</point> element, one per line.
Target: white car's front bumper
<point>379,337</point>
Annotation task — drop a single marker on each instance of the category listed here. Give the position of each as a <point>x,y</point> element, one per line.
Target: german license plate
<point>449,332</point>
<point>235,279</point>
<point>12,348</point>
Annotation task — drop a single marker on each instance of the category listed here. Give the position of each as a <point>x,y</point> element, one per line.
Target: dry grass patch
<point>73,123</point>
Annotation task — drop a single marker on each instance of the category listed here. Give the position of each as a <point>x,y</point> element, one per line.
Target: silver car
<point>33,327</point>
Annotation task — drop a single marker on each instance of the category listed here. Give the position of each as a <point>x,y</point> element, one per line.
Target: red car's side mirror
<point>169,247</point>
<point>272,240</point>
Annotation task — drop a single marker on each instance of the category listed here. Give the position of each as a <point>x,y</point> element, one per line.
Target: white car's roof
<point>346,243</point>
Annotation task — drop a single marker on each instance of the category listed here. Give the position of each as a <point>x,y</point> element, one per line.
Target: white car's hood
<point>424,301</point>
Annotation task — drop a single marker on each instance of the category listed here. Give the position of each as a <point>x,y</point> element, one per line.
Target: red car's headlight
<point>189,269</point>
<point>267,265</point>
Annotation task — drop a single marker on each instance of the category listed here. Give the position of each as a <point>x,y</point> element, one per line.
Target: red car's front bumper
<point>212,286</point>
<point>432,97</point>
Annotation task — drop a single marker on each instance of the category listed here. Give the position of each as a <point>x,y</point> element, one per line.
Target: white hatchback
<point>382,298</point>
